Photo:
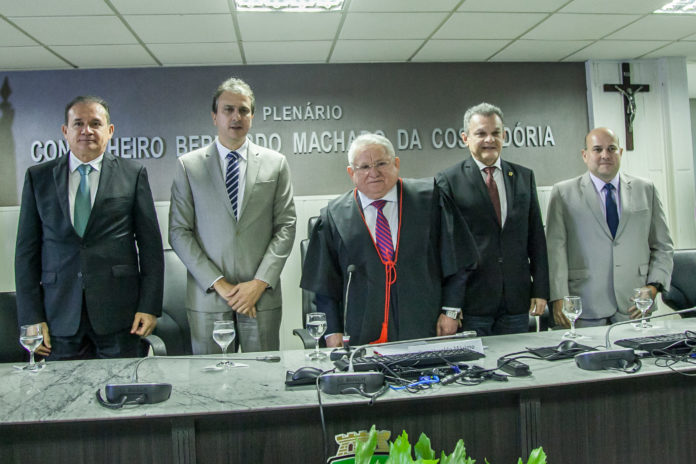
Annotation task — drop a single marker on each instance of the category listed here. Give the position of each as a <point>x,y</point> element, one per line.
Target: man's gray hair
<point>364,140</point>
<point>484,109</point>
<point>234,85</point>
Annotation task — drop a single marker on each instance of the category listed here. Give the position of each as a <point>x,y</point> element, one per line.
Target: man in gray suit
<point>606,235</point>
<point>232,222</point>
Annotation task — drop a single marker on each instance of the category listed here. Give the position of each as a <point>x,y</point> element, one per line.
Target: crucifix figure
<point>628,91</point>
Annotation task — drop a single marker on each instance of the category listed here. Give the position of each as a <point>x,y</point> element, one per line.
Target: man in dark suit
<point>78,271</point>
<point>499,201</point>
<point>397,236</point>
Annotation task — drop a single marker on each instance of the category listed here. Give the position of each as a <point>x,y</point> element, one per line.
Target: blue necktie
<point>83,201</point>
<point>612,210</point>
<point>232,179</point>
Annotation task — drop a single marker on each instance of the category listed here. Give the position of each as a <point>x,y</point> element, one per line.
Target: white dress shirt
<point>602,192</point>
<point>74,180</point>
<point>499,181</point>
<point>390,210</point>
<point>242,163</point>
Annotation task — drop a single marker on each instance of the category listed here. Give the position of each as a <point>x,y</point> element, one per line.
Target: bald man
<point>606,235</point>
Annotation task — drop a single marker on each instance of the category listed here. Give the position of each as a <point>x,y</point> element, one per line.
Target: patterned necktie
<point>612,210</point>
<point>83,201</point>
<point>493,192</point>
<point>232,179</point>
<point>383,232</point>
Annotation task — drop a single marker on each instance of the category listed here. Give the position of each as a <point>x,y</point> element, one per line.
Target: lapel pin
<point>510,173</point>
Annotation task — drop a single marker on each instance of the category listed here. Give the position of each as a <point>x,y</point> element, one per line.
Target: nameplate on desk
<point>474,344</point>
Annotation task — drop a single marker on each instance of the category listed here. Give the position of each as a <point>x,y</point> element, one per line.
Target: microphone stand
<point>338,353</point>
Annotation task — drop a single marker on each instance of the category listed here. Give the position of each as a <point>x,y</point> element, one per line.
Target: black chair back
<point>10,349</point>
<point>172,326</point>
<point>682,291</point>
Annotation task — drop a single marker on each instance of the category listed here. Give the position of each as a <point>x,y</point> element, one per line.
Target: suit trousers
<point>253,334</point>
<point>86,344</point>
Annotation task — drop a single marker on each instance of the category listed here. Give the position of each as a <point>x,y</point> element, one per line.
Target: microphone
<point>345,351</point>
<point>346,337</point>
<point>268,359</point>
<point>607,342</point>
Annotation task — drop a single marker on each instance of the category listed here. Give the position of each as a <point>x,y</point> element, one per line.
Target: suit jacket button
<point>500,260</point>
<point>79,275</point>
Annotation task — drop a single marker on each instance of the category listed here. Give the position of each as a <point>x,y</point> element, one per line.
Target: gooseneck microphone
<point>346,337</point>
<point>607,342</point>
<point>338,353</point>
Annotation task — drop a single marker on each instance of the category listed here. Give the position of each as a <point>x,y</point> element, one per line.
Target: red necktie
<point>383,232</point>
<point>493,192</point>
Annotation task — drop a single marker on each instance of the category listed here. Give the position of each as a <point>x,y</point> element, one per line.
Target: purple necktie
<point>383,232</point>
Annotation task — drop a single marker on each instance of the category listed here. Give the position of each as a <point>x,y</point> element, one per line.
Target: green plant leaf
<point>423,449</point>
<point>458,456</point>
<point>365,449</point>
<point>537,456</point>
<point>400,450</point>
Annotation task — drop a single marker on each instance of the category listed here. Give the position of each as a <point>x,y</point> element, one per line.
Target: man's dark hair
<point>88,99</point>
<point>234,85</point>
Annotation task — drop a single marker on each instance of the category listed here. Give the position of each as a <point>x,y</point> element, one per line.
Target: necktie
<point>83,201</point>
<point>493,191</point>
<point>612,210</point>
<point>232,179</point>
<point>383,232</point>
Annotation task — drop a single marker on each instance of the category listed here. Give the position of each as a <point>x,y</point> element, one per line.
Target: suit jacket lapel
<point>212,164</point>
<point>60,177</point>
<point>252,171</point>
<point>472,172</point>
<point>510,181</point>
<point>625,194</point>
<point>588,191</point>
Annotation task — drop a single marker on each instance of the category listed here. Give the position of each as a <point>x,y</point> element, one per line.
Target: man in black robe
<point>394,240</point>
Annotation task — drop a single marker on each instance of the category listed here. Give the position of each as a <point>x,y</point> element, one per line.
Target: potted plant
<point>400,452</point>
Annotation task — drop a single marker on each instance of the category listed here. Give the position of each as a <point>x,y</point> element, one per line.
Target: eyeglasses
<point>379,165</point>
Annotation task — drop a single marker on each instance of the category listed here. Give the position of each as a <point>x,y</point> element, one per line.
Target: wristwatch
<point>451,313</point>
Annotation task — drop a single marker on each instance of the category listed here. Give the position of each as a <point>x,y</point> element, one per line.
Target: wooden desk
<point>247,414</point>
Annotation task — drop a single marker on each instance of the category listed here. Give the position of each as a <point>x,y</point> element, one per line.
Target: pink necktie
<point>383,232</point>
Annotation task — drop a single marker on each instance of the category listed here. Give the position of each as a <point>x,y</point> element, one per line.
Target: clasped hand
<point>243,296</point>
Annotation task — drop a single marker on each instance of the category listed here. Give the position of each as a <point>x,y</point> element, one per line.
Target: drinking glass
<point>572,308</point>
<point>223,334</point>
<point>316,326</point>
<point>31,337</point>
<point>644,303</point>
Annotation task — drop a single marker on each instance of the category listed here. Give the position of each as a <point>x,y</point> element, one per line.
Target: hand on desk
<point>45,348</point>
<point>334,340</point>
<point>635,313</point>
<point>446,325</point>
<point>558,315</point>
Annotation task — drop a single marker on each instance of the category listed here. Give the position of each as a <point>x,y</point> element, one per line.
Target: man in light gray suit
<point>606,235</point>
<point>232,222</point>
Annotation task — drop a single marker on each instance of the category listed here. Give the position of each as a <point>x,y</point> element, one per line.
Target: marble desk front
<point>215,416</point>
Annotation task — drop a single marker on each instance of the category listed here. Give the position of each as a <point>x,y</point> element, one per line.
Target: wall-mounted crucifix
<point>628,91</point>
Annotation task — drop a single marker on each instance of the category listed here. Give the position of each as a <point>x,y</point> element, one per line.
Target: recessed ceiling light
<point>679,7</point>
<point>302,6</point>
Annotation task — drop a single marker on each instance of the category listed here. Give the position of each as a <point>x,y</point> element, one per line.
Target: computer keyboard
<point>659,342</point>
<point>409,360</point>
